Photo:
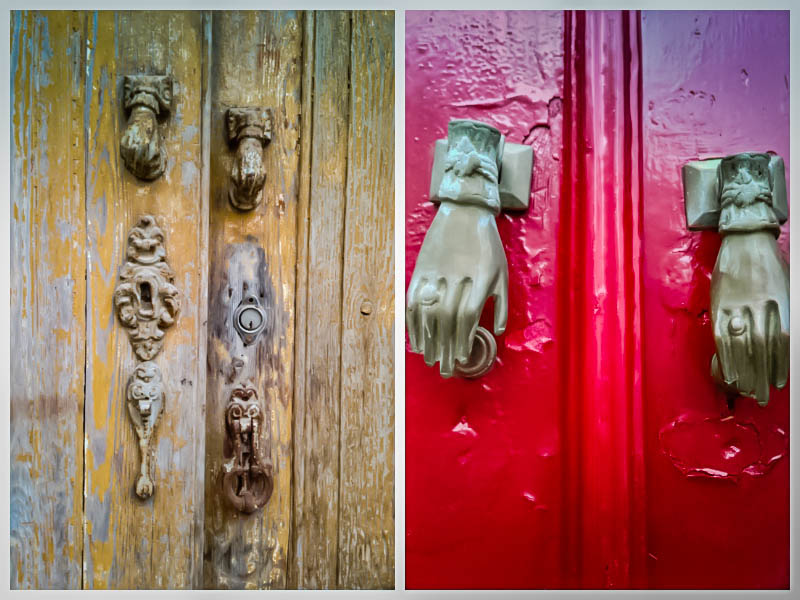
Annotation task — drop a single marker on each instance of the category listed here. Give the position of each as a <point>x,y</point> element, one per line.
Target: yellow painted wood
<point>366,500</point>
<point>47,299</point>
<point>156,543</point>
<point>318,249</point>
<point>316,425</point>
<point>256,62</point>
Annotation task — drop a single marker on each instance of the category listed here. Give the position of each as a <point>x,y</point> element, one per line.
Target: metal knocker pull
<point>249,131</point>
<point>475,175</point>
<point>246,478</point>
<point>147,99</point>
<point>743,196</point>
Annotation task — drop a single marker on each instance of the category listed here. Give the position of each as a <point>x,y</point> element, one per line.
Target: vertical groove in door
<point>301,279</point>
<point>365,556</point>
<point>317,376</point>
<point>198,526</point>
<point>601,309</point>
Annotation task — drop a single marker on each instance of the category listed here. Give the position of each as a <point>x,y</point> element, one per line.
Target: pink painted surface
<point>482,457</point>
<point>714,83</point>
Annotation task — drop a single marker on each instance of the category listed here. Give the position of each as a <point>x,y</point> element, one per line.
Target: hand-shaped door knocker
<point>462,261</point>
<point>744,196</point>
<point>246,477</point>
<point>249,131</point>
<point>146,99</point>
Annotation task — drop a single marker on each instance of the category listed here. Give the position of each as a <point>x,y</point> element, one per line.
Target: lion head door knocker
<point>147,100</point>
<point>249,131</point>
<point>475,175</point>
<point>145,395</point>
<point>146,300</point>
<point>743,196</point>
<point>246,476</point>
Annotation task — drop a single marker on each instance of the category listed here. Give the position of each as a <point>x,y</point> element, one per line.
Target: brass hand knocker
<point>246,479</point>
<point>743,196</point>
<point>475,175</point>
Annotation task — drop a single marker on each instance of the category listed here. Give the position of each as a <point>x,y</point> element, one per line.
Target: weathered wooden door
<point>315,255</point>
<point>597,452</point>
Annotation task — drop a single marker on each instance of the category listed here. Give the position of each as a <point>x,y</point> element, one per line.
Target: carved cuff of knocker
<point>249,130</point>
<point>471,167</point>
<point>739,193</point>
<point>146,99</point>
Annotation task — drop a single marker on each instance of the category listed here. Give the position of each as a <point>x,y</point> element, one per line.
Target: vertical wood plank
<point>366,497</point>
<point>317,369</point>
<point>48,267</point>
<point>132,543</point>
<point>256,60</point>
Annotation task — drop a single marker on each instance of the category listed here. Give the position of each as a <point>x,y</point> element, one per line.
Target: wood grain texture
<point>366,497</point>
<point>317,251</point>
<point>317,371</point>
<point>47,300</point>
<point>256,58</point>
<point>155,543</point>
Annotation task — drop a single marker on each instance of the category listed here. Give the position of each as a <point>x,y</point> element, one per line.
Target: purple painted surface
<point>715,83</point>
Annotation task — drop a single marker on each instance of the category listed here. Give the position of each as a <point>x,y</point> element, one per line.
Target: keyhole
<point>146,295</point>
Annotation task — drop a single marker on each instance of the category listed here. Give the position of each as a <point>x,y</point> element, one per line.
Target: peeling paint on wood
<point>47,300</point>
<point>366,499</point>
<point>75,518</point>
<point>156,543</point>
<point>317,370</point>
<point>255,62</point>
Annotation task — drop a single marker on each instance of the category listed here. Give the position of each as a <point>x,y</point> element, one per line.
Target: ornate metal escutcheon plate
<point>145,298</point>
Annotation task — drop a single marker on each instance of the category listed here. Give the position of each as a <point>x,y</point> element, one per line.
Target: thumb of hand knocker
<point>462,261</point>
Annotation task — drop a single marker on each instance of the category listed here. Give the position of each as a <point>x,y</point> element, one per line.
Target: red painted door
<point>598,452</point>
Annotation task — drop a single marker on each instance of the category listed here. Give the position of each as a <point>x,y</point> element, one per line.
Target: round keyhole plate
<point>249,319</point>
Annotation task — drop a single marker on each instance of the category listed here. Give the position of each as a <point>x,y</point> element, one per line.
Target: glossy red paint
<point>599,321</point>
<point>598,451</point>
<point>483,467</point>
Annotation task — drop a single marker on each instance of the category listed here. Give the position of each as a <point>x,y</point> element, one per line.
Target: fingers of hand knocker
<point>140,146</point>
<point>751,350</point>
<point>247,175</point>
<point>443,317</point>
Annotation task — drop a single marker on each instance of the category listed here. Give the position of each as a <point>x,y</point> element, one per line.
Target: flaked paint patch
<point>722,448</point>
<point>535,337</point>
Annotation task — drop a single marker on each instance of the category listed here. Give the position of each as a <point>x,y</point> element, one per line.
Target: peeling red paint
<point>722,447</point>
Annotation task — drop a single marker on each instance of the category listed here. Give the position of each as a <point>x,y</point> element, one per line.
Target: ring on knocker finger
<point>736,326</point>
<point>429,294</point>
